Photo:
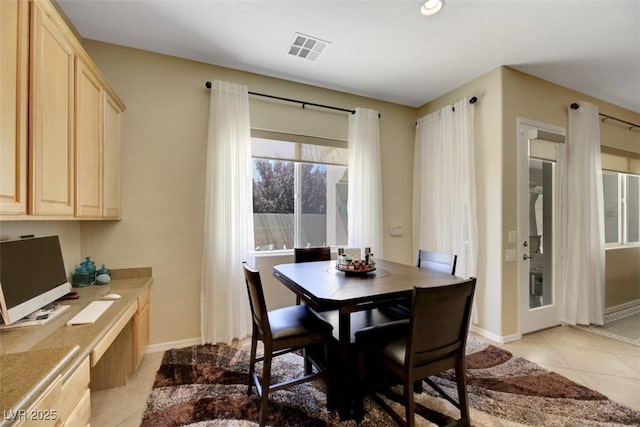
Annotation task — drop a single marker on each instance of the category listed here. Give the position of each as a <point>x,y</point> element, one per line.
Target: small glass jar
<point>91,268</point>
<point>81,277</point>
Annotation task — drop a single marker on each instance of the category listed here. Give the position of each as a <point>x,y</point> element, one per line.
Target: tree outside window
<point>298,204</point>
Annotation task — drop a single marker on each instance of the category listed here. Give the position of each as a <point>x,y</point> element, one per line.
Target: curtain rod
<point>472,100</point>
<point>605,117</point>
<point>303,103</point>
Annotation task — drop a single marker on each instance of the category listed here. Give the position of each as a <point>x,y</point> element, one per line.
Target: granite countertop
<point>32,357</point>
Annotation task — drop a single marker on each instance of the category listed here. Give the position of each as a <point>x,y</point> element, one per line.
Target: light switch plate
<point>511,255</point>
<point>513,237</point>
<point>397,230</point>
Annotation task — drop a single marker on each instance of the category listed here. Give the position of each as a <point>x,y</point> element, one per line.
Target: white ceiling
<point>386,49</point>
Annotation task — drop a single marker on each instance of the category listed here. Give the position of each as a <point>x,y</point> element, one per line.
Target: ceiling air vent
<point>306,46</point>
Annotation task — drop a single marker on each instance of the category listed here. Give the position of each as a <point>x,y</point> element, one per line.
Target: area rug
<point>205,385</point>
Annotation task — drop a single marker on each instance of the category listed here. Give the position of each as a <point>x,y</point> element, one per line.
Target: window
<point>299,194</point>
<point>621,208</point>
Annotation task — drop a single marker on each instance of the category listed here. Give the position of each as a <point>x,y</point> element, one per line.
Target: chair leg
<point>461,382</point>
<point>252,359</point>
<point>358,404</point>
<point>266,382</point>
<point>308,368</point>
<point>408,403</point>
<point>329,374</point>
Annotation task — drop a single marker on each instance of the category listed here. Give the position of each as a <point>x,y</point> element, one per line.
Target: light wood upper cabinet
<point>14,45</point>
<point>51,127</point>
<point>88,148</point>
<point>60,121</point>
<point>111,157</point>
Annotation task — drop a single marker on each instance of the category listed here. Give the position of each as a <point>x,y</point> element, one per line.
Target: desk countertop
<point>32,357</point>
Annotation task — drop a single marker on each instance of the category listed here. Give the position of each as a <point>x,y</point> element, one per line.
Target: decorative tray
<point>356,271</point>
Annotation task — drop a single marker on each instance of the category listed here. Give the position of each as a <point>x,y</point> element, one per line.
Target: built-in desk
<point>46,371</point>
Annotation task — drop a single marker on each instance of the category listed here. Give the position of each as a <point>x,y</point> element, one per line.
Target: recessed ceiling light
<point>306,46</point>
<point>431,7</point>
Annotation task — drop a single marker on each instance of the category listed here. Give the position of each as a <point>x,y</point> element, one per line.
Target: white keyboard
<point>90,313</point>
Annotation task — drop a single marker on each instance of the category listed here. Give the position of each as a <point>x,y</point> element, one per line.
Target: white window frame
<point>294,138</point>
<point>622,197</point>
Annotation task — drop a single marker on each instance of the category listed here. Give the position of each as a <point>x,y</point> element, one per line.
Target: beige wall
<point>530,97</point>
<point>504,95</point>
<point>488,153</point>
<point>622,276</point>
<point>164,135</point>
<point>164,146</point>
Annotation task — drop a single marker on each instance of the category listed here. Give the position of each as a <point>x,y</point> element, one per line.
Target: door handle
<point>526,257</point>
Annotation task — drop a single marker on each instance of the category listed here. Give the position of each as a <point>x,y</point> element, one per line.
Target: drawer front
<point>74,388</point>
<point>45,411</point>
<point>81,414</point>
<point>61,399</point>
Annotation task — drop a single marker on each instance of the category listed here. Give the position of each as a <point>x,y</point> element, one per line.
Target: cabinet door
<point>142,337</point>
<point>141,328</point>
<point>88,148</point>
<point>14,45</point>
<point>51,155</point>
<point>111,153</point>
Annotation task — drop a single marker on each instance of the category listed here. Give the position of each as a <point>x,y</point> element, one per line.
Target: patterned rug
<point>205,385</point>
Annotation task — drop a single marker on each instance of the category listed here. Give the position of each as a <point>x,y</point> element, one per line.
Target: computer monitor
<point>32,275</point>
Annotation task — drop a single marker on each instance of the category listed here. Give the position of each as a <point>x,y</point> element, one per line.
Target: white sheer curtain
<point>582,299</point>
<point>228,216</point>
<point>365,181</point>
<point>444,191</point>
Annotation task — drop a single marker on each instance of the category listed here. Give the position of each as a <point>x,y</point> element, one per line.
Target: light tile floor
<point>606,365</point>
<point>626,329</point>
<point>609,366</point>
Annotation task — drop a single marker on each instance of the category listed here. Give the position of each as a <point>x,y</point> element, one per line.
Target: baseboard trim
<point>164,346</point>
<point>502,339</point>
<point>621,311</point>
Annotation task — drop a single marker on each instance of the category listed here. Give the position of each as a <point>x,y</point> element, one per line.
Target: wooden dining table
<point>352,302</point>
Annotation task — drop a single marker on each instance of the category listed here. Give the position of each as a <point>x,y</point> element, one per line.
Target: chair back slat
<point>257,300</point>
<point>440,321</point>
<point>321,253</point>
<point>436,261</point>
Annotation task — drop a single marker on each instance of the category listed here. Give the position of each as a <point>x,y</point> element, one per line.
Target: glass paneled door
<point>537,225</point>
<point>540,233</point>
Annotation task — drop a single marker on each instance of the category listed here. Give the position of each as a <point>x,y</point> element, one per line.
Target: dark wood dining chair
<point>317,253</point>
<point>310,254</point>
<point>433,261</point>
<point>431,341</point>
<point>281,331</point>
<point>437,261</point>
